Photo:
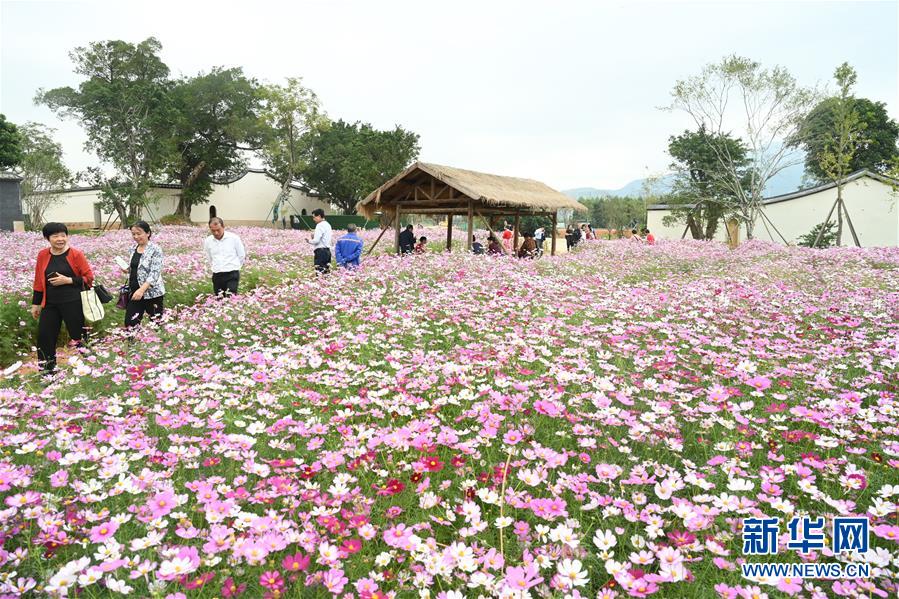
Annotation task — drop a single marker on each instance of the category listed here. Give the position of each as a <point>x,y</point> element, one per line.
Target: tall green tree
<point>217,121</point>
<point>42,170</point>
<point>835,157</point>
<point>615,212</point>
<point>10,144</point>
<point>768,104</point>
<point>698,198</point>
<point>348,160</point>
<point>291,114</point>
<point>874,150</point>
<point>125,107</point>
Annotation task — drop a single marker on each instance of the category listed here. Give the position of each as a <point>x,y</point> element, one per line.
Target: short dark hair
<point>409,227</point>
<point>142,224</point>
<point>318,212</point>
<point>216,219</point>
<point>351,228</point>
<point>422,239</point>
<point>54,228</point>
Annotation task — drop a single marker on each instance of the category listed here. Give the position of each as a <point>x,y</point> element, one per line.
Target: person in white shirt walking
<point>321,241</point>
<point>226,255</point>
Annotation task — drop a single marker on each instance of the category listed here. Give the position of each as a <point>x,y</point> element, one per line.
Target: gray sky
<point>564,92</point>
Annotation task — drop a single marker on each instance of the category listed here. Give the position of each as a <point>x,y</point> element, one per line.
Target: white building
<point>870,199</point>
<point>245,200</point>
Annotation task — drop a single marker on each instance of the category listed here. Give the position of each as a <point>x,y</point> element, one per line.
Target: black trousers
<point>49,325</point>
<point>134,311</point>
<point>225,282</point>
<point>323,260</point>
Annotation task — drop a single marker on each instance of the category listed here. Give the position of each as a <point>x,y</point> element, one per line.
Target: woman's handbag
<point>103,294</point>
<point>91,306</point>
<point>124,296</point>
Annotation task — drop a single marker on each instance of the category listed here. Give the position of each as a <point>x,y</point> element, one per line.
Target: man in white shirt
<point>226,255</point>
<point>321,241</point>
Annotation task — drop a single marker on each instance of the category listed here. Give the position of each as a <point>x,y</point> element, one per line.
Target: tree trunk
<point>750,226</point>
<point>711,227</point>
<point>122,212</point>
<point>695,229</point>
<point>839,215</point>
<point>182,209</point>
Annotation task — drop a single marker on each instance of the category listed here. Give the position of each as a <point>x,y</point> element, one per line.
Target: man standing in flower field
<point>321,241</point>
<point>348,248</point>
<point>226,255</point>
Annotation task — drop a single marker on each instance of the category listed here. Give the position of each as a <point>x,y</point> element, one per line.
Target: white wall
<point>250,199</point>
<point>872,204</point>
<point>245,201</point>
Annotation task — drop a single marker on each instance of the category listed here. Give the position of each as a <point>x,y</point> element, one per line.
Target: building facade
<point>871,200</point>
<point>245,200</point>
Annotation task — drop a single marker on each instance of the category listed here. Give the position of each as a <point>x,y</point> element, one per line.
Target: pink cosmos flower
<point>759,383</point>
<point>521,579</point>
<point>272,580</point>
<point>334,580</point>
<point>296,562</point>
<point>58,479</point>
<point>790,586</point>
<point>162,504</point>
<point>232,589</point>
<point>397,536</point>
<point>886,531</point>
<point>102,532</point>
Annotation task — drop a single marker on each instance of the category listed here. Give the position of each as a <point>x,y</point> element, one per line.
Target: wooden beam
<point>450,203</point>
<point>470,224</point>
<point>396,233</point>
<point>384,230</point>
<point>515,234</point>
<point>449,232</point>
<point>495,236</point>
<point>456,210</point>
<point>421,190</point>
<point>552,244</point>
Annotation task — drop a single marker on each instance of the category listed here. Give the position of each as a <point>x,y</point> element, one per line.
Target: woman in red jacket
<point>61,274</point>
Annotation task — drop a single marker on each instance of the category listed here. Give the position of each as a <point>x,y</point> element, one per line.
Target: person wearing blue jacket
<point>348,248</point>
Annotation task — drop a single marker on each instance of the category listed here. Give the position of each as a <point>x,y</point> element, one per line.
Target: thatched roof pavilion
<point>426,188</point>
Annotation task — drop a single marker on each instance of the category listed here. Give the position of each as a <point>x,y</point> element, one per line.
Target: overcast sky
<point>564,92</point>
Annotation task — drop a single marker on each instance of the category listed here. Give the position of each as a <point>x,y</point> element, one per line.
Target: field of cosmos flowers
<point>592,425</point>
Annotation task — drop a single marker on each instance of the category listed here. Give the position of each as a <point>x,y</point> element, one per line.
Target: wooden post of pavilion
<point>396,233</point>
<point>552,251</point>
<point>449,232</point>
<point>470,224</point>
<point>515,236</point>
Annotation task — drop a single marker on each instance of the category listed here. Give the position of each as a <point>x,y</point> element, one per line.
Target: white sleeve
<point>241,250</point>
<point>317,236</point>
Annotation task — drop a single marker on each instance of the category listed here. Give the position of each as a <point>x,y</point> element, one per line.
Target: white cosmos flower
<point>604,540</point>
<point>571,573</point>
<point>740,484</point>
<point>168,384</point>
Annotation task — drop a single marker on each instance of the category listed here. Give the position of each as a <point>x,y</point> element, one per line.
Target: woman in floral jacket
<point>144,276</point>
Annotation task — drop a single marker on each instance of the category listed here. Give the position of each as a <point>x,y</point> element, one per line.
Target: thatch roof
<point>486,190</point>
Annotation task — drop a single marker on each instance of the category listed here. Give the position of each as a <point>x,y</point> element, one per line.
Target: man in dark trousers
<point>321,242</point>
<point>407,241</point>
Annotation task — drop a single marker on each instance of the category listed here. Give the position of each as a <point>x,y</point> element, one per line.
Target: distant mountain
<point>789,179</point>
